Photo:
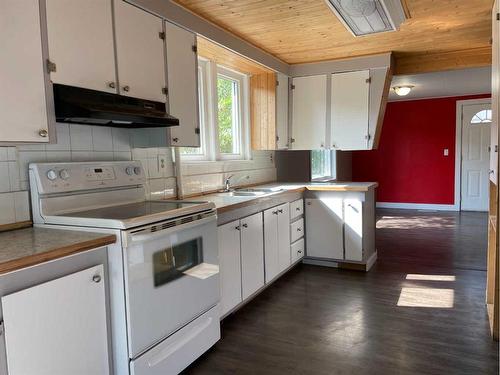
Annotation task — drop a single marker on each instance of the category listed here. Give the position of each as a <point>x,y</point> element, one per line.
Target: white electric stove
<point>163,276</point>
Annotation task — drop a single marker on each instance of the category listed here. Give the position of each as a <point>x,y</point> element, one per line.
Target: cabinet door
<point>324,224</point>
<point>353,219</point>
<point>81,43</point>
<point>271,243</point>
<point>140,51</point>
<point>284,255</point>
<point>229,265</point>
<point>252,255</point>
<point>282,112</point>
<point>349,110</point>
<point>309,113</point>
<point>58,327</point>
<point>22,73</point>
<point>182,64</point>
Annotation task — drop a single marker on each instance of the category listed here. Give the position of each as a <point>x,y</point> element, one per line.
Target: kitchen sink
<point>249,192</point>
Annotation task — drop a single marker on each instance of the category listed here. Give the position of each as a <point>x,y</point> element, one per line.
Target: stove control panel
<point>67,177</point>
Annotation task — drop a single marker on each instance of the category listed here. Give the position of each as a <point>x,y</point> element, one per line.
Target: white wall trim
<point>458,145</point>
<point>418,206</point>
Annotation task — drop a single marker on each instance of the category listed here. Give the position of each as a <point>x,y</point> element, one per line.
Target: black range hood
<point>83,106</point>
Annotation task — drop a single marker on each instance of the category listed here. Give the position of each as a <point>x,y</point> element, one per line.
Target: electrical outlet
<point>162,165</point>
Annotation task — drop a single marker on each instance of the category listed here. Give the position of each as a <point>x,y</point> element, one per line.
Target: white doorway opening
<point>472,154</point>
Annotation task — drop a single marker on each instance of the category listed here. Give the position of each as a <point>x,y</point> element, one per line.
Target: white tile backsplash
<point>80,137</point>
<point>92,143</point>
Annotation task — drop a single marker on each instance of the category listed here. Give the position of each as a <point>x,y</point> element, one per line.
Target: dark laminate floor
<point>317,320</point>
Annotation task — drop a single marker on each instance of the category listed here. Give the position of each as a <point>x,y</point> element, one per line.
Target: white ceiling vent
<point>365,17</point>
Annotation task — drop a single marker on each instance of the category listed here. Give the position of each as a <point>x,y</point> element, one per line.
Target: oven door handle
<point>132,238</point>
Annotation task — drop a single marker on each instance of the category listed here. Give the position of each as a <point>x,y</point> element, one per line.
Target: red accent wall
<point>409,164</point>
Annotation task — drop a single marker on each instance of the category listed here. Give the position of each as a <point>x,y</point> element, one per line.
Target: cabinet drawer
<point>297,250</point>
<point>296,209</point>
<point>297,230</point>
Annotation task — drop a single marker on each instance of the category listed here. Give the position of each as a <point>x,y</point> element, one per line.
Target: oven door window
<point>171,263</point>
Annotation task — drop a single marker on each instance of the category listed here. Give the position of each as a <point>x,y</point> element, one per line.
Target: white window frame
<point>209,141</point>
<point>333,167</point>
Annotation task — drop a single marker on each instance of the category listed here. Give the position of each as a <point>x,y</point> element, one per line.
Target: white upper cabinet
<point>80,36</point>
<point>23,107</point>
<point>349,110</point>
<point>182,64</point>
<point>140,52</point>
<point>309,113</point>
<point>282,112</point>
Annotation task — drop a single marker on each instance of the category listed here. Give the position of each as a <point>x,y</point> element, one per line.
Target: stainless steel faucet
<point>227,184</point>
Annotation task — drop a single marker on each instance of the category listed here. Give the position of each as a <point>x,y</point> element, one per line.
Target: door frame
<point>458,146</point>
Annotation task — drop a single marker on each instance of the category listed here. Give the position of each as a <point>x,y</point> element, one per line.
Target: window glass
<point>482,117</point>
<point>322,164</point>
<point>228,114</point>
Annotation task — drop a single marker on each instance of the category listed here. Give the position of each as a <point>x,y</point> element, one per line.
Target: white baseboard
<point>419,206</point>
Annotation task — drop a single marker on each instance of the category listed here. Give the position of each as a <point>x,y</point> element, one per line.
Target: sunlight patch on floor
<point>413,276</point>
<point>415,222</point>
<point>427,297</point>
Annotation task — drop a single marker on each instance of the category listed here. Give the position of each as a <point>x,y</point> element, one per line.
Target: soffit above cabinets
<point>456,33</point>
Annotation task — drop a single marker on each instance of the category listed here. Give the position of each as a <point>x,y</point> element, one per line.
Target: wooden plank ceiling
<point>440,34</point>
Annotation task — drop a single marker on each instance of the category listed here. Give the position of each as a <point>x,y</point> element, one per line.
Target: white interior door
<point>58,327</point>
<point>140,52</point>
<point>475,156</point>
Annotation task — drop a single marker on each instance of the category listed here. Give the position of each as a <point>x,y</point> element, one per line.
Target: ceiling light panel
<point>365,17</point>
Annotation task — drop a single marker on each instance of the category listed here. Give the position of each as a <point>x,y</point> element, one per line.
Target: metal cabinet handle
<point>299,229</point>
<point>175,139</point>
<point>111,85</point>
<point>96,278</point>
<point>300,251</point>
<point>245,225</point>
<point>237,227</point>
<point>275,212</point>
<point>297,208</point>
<point>280,210</point>
<point>43,133</point>
<point>126,88</point>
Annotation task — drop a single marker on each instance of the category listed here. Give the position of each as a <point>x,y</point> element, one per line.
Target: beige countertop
<point>225,202</point>
<point>30,246</point>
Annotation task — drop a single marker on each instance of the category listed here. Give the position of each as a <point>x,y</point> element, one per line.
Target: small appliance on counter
<point>163,270</point>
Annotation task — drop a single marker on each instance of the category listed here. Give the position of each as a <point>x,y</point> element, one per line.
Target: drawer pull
<point>299,229</point>
<point>300,251</point>
<point>280,211</point>
<point>297,208</point>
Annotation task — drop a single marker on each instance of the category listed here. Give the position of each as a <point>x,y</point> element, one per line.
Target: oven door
<point>171,277</point>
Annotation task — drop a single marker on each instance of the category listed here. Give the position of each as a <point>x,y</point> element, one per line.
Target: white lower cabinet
<point>353,229</point>
<point>241,259</point>
<point>298,250</point>
<point>324,228</point>
<point>252,255</point>
<point>58,327</point>
<point>336,228</point>
<point>277,240</point>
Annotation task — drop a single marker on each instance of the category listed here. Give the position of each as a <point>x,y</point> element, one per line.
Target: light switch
<point>445,152</point>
